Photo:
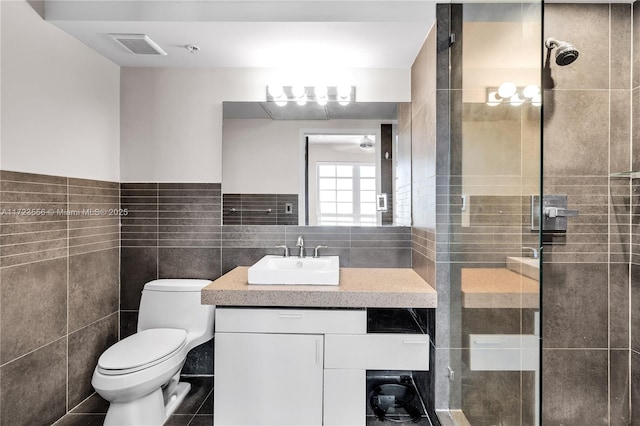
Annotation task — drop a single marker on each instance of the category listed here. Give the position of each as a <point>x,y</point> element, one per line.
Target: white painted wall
<point>172,117</point>
<point>264,156</point>
<point>60,101</point>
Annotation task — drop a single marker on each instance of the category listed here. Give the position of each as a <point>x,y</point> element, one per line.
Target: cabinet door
<point>268,379</point>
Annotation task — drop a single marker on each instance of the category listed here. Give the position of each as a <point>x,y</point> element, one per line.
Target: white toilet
<point>139,375</point>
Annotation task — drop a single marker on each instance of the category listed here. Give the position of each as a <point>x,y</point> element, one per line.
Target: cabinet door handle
<point>414,342</point>
<point>295,316</point>
<point>490,343</point>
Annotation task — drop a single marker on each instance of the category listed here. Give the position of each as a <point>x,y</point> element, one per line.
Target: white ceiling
<point>253,33</point>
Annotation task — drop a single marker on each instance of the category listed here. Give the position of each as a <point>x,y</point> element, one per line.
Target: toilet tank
<point>175,303</point>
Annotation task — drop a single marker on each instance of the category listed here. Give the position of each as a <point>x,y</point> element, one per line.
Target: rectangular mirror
<point>315,165</point>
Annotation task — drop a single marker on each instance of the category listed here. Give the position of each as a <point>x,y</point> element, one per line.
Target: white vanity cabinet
<point>302,366</point>
<point>269,379</point>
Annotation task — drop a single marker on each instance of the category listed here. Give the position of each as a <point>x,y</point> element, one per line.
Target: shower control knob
<point>551,212</point>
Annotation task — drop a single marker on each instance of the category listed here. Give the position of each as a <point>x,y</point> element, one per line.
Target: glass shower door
<point>495,173</point>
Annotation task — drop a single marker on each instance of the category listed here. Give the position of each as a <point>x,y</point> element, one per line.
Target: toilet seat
<point>141,350</point>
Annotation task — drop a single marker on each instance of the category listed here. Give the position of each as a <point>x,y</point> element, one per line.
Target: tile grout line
<point>119,262</point>
<point>67,333</point>
<point>1,287</point>
<point>204,401</point>
<point>609,207</point>
<point>631,246</point>
<point>157,230</point>
<point>33,350</point>
<point>91,323</point>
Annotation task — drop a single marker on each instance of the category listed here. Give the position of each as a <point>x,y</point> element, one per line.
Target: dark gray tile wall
<point>259,209</point>
<point>421,125</point>
<point>402,201</point>
<point>580,376</point>
<point>172,230</point>
<point>175,231</point>
<point>587,274</point>
<point>635,232</point>
<point>59,292</point>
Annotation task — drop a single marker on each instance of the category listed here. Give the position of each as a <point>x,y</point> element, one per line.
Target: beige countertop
<point>358,288</point>
<point>498,288</point>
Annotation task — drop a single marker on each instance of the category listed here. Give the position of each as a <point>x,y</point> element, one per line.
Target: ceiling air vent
<point>138,44</point>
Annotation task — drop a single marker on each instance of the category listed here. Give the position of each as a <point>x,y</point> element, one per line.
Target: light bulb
<point>537,100</point>
<point>531,91</point>
<point>298,91</point>
<point>302,100</point>
<point>344,91</point>
<point>516,100</point>
<point>507,90</point>
<point>320,91</point>
<point>492,99</point>
<point>281,103</point>
<point>321,95</point>
<point>275,91</point>
<point>343,103</point>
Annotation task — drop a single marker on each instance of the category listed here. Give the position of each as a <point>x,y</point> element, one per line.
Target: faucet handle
<point>286,250</point>
<point>534,253</point>
<point>316,251</point>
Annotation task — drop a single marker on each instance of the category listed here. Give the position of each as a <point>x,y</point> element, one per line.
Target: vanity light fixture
<point>493,99</point>
<point>507,90</point>
<point>299,94</point>
<point>321,94</point>
<point>277,94</point>
<point>281,95</point>
<point>516,100</point>
<point>514,95</point>
<point>344,94</point>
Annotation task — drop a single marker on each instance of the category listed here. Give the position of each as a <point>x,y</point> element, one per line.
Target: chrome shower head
<point>566,53</point>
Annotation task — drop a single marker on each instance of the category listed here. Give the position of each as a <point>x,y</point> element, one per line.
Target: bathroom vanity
<point>293,355</point>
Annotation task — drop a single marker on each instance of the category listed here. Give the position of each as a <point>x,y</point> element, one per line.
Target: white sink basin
<point>324,270</point>
<point>526,266</point>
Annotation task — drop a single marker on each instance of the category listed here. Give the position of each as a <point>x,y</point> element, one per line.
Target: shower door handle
<point>552,212</point>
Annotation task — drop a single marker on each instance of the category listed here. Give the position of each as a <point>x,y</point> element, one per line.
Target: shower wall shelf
<point>630,174</point>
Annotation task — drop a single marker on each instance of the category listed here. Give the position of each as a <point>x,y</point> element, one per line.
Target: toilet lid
<point>142,350</point>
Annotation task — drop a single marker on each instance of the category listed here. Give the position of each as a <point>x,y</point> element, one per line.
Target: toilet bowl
<point>139,375</point>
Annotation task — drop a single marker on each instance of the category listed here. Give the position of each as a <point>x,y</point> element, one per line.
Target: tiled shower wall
<point>635,230</point>
<point>417,126</point>
<point>174,231</point>
<point>58,294</point>
<point>587,135</point>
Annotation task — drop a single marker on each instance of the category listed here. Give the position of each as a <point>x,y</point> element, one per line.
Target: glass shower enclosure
<point>490,116</point>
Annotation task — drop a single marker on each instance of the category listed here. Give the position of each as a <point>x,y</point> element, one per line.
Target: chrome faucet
<point>300,244</point>
<point>286,250</point>
<point>534,252</point>
<point>316,251</point>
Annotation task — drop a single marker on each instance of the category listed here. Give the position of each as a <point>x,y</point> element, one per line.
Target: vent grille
<point>139,44</point>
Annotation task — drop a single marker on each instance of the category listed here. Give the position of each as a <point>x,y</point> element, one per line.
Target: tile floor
<point>195,410</point>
